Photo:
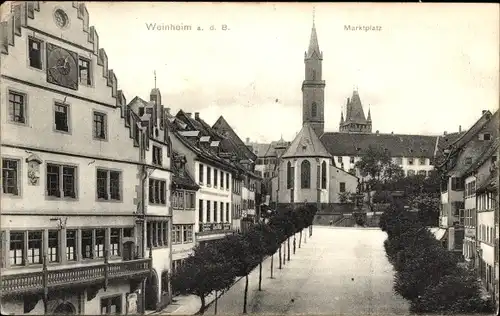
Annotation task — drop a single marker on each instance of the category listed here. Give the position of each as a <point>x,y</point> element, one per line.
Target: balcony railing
<point>37,281</point>
<point>209,227</point>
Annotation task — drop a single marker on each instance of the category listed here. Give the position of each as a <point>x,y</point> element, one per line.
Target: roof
<point>306,144</point>
<point>355,113</point>
<point>490,183</point>
<point>313,44</point>
<point>243,150</point>
<point>181,177</point>
<point>399,145</point>
<point>489,151</point>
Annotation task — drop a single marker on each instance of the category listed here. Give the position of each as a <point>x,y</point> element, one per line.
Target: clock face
<point>62,67</point>
<point>61,18</point>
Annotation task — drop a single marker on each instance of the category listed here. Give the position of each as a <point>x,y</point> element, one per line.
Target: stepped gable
<point>22,11</point>
<point>306,144</point>
<point>398,145</point>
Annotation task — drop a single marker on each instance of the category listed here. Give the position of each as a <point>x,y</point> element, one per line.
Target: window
<point>159,236</point>
<point>314,109</point>
<point>351,159</point>
<point>111,305</point>
<point>200,174</point>
<point>486,136</point>
<point>17,107</point>
<point>342,186</point>
<point>157,191</point>
<point>61,181</point>
<point>100,235</point>
<point>71,245</point>
<point>10,171</point>
<point>399,161</point>
<point>200,210</point>
<point>87,252</point>
<point>100,127</point>
<point>190,200</point>
<point>221,179</point>
<point>84,71</point>
<point>216,213</point>
<point>305,173</point>
<point>227,181</point>
<point>422,161</point>
<point>289,175</point>
<point>411,173</point>
<point>209,217</point>
<point>176,234</point>
<point>457,184</point>
<point>108,185</point>
<point>35,247</point>
<point>228,219</point>
<point>114,242</point>
<point>178,199</point>
<point>209,176</point>
<point>61,117</point>
<point>35,53</point>
<point>215,178</point>
<point>53,254</point>
<point>339,160</point>
<point>165,233</point>
<point>16,248</point>
<point>157,156</point>
<point>222,212</point>
<point>188,233</point>
<point>323,175</point>
<point>410,161</point>
<point>421,172</point>
<point>468,160</point>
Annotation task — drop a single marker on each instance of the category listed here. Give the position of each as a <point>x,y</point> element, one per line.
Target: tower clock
<point>62,67</point>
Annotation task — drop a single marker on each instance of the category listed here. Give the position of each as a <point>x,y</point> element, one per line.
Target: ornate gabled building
<point>73,160</point>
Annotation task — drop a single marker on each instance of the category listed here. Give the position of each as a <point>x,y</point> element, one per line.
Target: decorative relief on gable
<point>33,162</point>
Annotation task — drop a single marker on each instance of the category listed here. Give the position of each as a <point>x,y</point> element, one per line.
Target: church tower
<point>313,87</point>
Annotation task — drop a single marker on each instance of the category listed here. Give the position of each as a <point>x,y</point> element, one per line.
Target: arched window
<point>305,174</point>
<point>314,109</point>
<point>323,175</point>
<point>289,175</point>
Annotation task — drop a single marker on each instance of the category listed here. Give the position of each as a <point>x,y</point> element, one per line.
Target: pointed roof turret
<point>313,43</point>
<point>341,117</point>
<point>355,111</point>
<point>369,118</point>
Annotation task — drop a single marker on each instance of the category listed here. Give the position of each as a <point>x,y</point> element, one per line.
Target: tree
<point>245,253</point>
<point>377,164</point>
<point>269,247</point>
<point>205,271</point>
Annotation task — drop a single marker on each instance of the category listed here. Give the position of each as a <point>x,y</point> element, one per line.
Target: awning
<point>438,233</point>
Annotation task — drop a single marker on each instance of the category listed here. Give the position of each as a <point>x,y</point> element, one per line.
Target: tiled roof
<point>355,111</point>
<point>242,148</point>
<point>306,144</point>
<point>473,150</point>
<point>487,153</point>
<point>490,183</point>
<point>398,145</point>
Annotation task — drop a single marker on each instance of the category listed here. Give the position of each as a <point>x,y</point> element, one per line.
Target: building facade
<point>69,155</point>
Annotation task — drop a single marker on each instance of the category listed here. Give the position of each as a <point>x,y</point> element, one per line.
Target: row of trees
<point>426,273</point>
<point>215,266</point>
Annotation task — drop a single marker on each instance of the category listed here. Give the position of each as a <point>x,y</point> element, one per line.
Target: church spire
<point>313,41</point>
<point>369,118</point>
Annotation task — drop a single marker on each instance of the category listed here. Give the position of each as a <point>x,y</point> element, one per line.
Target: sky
<point>424,69</point>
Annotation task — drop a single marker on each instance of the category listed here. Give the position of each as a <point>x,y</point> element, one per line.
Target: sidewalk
<point>191,304</point>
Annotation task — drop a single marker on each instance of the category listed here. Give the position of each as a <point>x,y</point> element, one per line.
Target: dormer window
<point>487,136</point>
<point>410,161</point>
<point>468,160</point>
<point>141,111</point>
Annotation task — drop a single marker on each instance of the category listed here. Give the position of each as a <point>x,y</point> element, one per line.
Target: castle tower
<point>355,120</point>
<point>313,87</point>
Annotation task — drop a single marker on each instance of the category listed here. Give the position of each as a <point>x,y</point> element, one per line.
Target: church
<point>319,166</point>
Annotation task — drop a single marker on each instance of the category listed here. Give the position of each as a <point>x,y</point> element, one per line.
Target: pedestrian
<point>331,222</point>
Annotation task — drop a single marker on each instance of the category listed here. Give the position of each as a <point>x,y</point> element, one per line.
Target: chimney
<point>460,128</point>
<point>168,110</point>
<point>484,111</point>
<point>376,132</point>
<point>188,114</point>
<point>248,140</point>
<point>197,115</point>
<point>392,133</point>
<point>445,133</point>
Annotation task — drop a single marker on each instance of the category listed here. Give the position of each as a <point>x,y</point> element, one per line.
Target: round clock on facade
<point>61,18</point>
<point>62,67</point>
